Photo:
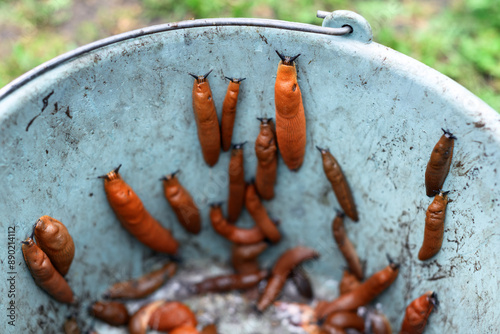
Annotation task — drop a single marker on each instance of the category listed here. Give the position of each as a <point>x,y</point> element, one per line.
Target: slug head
<point>393,265</point>
<point>235,80</point>
<point>433,299</point>
<point>264,120</point>
<point>201,78</point>
<point>239,146</point>
<point>448,134</point>
<point>170,176</point>
<point>46,225</point>
<point>340,213</point>
<point>111,175</point>
<point>322,150</point>
<point>286,59</point>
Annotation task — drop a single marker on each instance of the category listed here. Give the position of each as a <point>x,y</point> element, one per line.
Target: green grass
<point>38,41</point>
<point>28,53</point>
<point>460,39</point>
<point>35,13</point>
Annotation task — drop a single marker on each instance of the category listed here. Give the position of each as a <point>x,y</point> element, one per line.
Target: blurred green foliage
<point>35,12</point>
<point>460,38</point>
<point>27,54</point>
<point>34,45</point>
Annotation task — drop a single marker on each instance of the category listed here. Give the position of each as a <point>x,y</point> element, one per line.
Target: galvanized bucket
<point>127,100</point>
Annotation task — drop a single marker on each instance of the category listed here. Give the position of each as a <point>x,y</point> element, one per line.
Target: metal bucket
<point>127,100</point>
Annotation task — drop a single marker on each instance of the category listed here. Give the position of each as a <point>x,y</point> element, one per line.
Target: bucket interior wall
<point>380,113</point>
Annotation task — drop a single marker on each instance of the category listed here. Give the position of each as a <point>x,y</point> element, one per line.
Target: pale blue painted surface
<point>361,29</point>
<point>378,111</point>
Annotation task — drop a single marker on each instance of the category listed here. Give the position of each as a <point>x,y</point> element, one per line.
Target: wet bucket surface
<point>379,112</point>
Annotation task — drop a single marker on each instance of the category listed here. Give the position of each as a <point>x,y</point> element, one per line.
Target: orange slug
<point>229,112</point>
<point>281,270</point>
<point>345,246</point>
<point>206,119</point>
<point>171,315</point>
<point>134,217</point>
<point>44,273</point>
<point>418,312</point>
<point>363,294</point>
<point>339,183</point>
<point>184,330</point>
<point>230,282</point>
<point>54,240</point>
<point>345,319</point>
<point>138,323</point>
<point>259,214</point>
<point>182,203</point>
<point>71,326</point>
<point>301,280</point>
<point>379,324</point>
<point>267,159</point>
<point>112,313</point>
<point>331,330</point>
<point>209,329</point>
<point>439,163</point>
<point>144,286</point>
<point>434,226</point>
<point>244,257</point>
<point>290,116</point>
<point>348,282</point>
<point>231,232</point>
<point>237,185</point>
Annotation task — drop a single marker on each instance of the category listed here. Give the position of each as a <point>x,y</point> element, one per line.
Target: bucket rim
<point>188,24</point>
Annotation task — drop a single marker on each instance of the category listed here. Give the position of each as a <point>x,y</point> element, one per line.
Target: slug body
<point>184,330</point>
<point>113,313</point>
<point>348,283</point>
<point>171,315</point>
<point>54,240</point>
<point>434,227</point>
<point>144,286</point>
<point>209,329</point>
<point>138,323</point>
<point>71,326</point>
<point>134,217</point>
<point>235,234</point>
<point>290,116</point>
<point>182,203</point>
<point>44,273</point>
<point>363,294</point>
<point>302,282</point>
<point>328,329</point>
<point>346,247</point>
<point>439,163</point>
<point>417,313</point>
<point>267,159</point>
<point>229,112</point>
<point>236,196</point>
<point>206,119</point>
<point>339,183</point>
<point>259,214</point>
<point>379,324</point>
<point>281,270</point>
<point>225,283</point>
<point>345,319</point>
<point>244,257</point>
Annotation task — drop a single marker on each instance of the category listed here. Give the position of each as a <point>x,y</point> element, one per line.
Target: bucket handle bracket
<point>361,29</point>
